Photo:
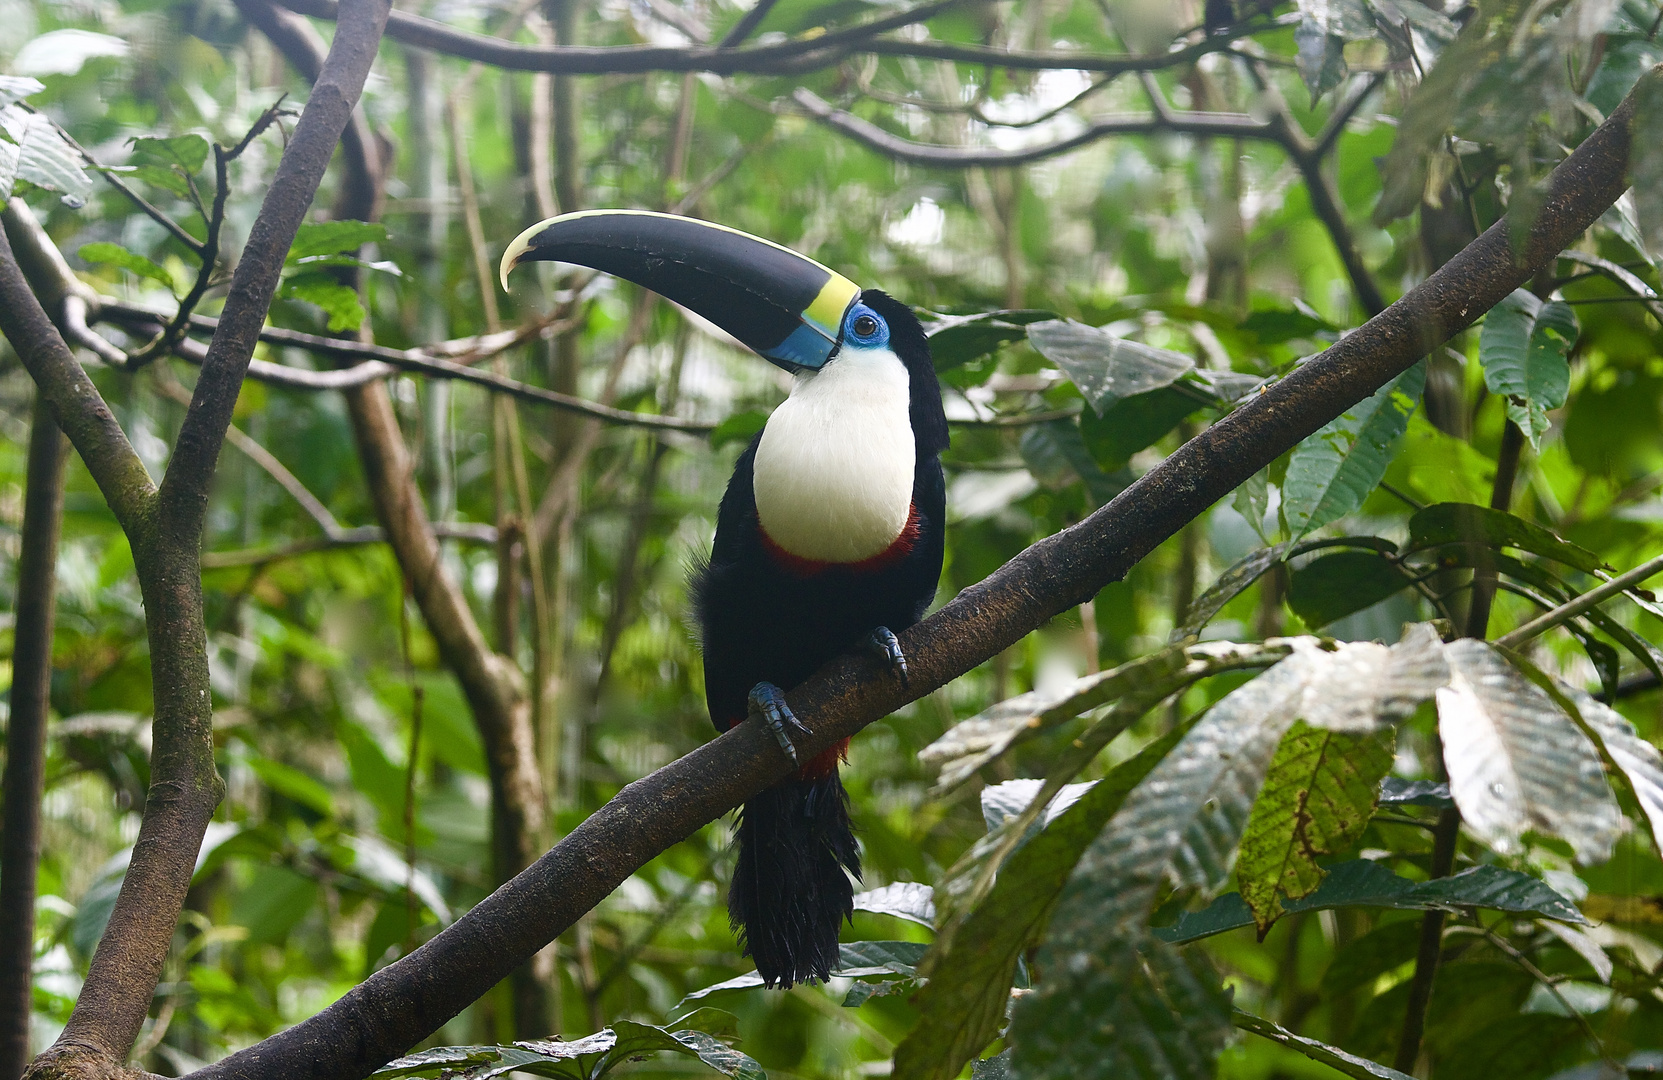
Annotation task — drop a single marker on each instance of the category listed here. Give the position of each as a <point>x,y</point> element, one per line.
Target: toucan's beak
<point>785,306</point>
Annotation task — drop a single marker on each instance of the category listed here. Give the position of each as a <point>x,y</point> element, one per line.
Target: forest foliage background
<point>1261,183</point>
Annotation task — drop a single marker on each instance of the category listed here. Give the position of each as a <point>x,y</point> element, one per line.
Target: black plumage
<point>766,616</point>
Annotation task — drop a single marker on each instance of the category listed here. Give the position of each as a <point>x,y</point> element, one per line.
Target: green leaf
<point>1056,455</point>
<point>1524,348</point>
<point>293,784</point>
<point>1363,686</point>
<point>1332,1056</point>
<point>1467,524</point>
<point>1337,585</point>
<point>1252,501</point>
<point>31,150</point>
<point>1150,1012</point>
<point>1104,367</point>
<point>1133,423</point>
<point>1179,824</point>
<point>1318,797</point>
<point>1332,472</point>
<point>1361,883</point>
<point>168,179</point>
<point>338,301</point>
<point>1275,326</point>
<point>1230,584</point>
<point>740,427</point>
<point>1516,761</point>
<point>185,152</point>
<point>1359,962</point>
<point>331,237</point>
<point>973,964</point>
<point>273,903</point>
<point>957,340</point>
<point>116,255</point>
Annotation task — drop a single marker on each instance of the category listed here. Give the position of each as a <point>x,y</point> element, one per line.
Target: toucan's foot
<point>883,642</point>
<point>768,701</point>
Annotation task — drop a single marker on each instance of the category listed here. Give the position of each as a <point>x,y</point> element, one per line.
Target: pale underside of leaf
<point>1516,761</point>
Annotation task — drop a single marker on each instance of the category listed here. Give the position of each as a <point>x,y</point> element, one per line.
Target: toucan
<point>829,537</point>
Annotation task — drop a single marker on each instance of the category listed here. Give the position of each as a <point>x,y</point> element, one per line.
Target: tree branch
<point>408,1000</point>
<point>165,532</point>
<point>797,55</point>
<point>465,531</point>
<point>820,51</point>
<point>76,405</point>
<point>24,781</point>
<point>1224,125</point>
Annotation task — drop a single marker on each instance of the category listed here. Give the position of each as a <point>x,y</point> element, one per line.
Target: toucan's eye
<point>865,326</point>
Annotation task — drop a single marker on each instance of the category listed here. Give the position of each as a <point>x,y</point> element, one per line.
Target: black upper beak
<point>785,306</point>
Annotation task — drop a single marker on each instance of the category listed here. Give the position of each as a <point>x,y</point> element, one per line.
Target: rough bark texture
<point>164,527</point>
<point>405,1002</point>
<point>37,579</point>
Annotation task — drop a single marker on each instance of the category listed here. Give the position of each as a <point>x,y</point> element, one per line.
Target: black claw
<point>768,702</point>
<point>883,642</point>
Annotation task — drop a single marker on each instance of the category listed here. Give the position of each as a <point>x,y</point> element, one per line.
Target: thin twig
<point>1590,599</point>
<point>464,531</point>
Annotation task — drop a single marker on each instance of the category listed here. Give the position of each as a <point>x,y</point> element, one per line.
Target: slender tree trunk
<point>37,577</point>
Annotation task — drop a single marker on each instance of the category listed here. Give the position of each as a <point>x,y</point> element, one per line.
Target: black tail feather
<point>790,894</point>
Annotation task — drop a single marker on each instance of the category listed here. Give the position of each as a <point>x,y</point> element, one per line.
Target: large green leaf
<point>1332,472</point>
<point>1056,455</point>
<point>1361,883</point>
<point>907,900</point>
<point>971,967</point>
<point>116,255</point>
<point>331,237</point>
<point>1451,524</point>
<point>1318,797</point>
<point>1516,761</point>
<point>1104,367</point>
<point>338,301</point>
<point>1524,348</point>
<point>1152,1012</point>
<point>1343,583</point>
<point>1180,823</point>
<point>1133,423</point>
<point>956,340</point>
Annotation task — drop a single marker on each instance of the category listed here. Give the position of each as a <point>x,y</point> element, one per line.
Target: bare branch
<point>465,531</point>
<point>1226,125</point>
<point>406,1001</point>
<point>76,404</point>
<point>820,51</point>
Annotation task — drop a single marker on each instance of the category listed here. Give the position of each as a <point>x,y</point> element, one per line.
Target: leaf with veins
<point>1516,761</point>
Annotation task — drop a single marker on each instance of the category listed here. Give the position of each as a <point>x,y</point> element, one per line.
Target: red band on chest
<point>894,553</point>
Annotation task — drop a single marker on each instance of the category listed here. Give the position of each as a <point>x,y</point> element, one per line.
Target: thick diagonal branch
<point>406,1001</point>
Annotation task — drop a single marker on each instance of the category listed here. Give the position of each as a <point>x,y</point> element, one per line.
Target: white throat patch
<point>833,473</point>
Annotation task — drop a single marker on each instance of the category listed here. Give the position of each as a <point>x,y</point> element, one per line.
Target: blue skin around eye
<point>876,340</point>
